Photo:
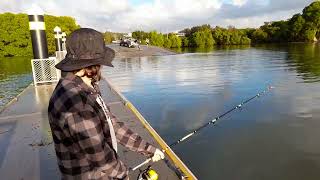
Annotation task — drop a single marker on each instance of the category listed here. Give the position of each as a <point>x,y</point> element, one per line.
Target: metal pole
<point>58,38</point>
<point>38,34</point>
<point>60,48</point>
<point>39,40</point>
<point>64,35</point>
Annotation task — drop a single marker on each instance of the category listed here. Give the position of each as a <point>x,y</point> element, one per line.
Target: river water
<point>15,75</point>
<point>273,137</point>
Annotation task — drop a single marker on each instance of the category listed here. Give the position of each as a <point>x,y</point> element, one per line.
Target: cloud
<point>256,8</point>
<point>164,15</point>
<point>239,2</point>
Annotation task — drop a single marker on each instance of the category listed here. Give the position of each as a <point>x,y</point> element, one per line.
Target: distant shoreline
<point>125,52</point>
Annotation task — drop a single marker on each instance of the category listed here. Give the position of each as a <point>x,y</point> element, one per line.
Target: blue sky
<point>139,2</point>
<point>163,15</point>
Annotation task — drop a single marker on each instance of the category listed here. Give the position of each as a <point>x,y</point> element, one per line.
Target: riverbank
<point>125,52</point>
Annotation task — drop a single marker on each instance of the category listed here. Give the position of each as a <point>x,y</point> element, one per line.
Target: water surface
<point>15,75</point>
<point>273,137</point>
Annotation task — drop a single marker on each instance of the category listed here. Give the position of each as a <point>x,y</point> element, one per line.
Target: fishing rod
<point>213,121</point>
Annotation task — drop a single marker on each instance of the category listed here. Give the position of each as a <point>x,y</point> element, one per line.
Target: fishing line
<point>213,121</point>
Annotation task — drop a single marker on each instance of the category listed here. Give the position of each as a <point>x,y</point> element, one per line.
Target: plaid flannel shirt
<point>81,134</point>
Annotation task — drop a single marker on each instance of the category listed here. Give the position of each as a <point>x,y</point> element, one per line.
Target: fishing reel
<point>148,174</point>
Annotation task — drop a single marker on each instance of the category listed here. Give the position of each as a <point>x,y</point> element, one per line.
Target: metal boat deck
<point>27,151</point>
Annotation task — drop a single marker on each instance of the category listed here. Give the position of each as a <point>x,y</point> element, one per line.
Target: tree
<point>167,42</point>
<point>245,40</point>
<point>217,34</point>
<point>185,42</point>
<point>14,35</point>
<point>309,32</point>
<point>235,38</point>
<point>259,36</point>
<point>175,41</point>
<point>311,14</point>
<point>296,24</point>
<point>15,39</point>
<point>140,35</point>
<point>203,39</point>
<point>108,37</point>
<point>203,27</point>
<point>281,33</point>
<point>67,25</point>
<point>156,39</point>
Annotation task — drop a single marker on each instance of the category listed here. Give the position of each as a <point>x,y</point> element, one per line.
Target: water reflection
<point>209,49</point>
<point>301,57</point>
<point>273,137</point>
<point>307,58</point>
<point>15,75</point>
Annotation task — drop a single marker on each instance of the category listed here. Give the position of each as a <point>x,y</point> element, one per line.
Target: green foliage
<point>245,40</point>
<point>185,42</point>
<point>156,39</point>
<point>188,32</point>
<point>305,27</point>
<point>67,25</point>
<point>176,42</point>
<point>235,38</point>
<point>311,13</point>
<point>15,38</point>
<point>309,33</point>
<point>259,36</point>
<point>296,24</point>
<point>230,36</point>
<point>276,32</point>
<point>167,42</point>
<point>218,35</point>
<point>198,39</point>
<point>14,35</point>
<point>203,38</point>
<point>111,36</point>
<point>140,35</point>
<point>108,37</point>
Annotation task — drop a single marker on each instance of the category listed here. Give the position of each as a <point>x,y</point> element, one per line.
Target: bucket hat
<point>85,47</point>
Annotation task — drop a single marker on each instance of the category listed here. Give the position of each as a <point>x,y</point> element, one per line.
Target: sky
<point>162,15</point>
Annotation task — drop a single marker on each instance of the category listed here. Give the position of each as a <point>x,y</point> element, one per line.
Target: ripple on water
<point>179,93</point>
<point>12,86</point>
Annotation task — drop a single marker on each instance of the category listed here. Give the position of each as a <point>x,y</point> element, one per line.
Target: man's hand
<point>158,155</point>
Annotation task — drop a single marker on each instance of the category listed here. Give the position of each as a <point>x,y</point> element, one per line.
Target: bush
<point>15,38</point>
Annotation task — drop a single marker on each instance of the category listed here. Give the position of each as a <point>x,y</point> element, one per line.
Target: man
<point>84,130</point>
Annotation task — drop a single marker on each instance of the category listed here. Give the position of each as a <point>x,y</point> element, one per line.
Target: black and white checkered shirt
<point>81,135</point>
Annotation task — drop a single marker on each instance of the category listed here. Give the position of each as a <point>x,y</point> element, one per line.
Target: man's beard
<point>97,77</point>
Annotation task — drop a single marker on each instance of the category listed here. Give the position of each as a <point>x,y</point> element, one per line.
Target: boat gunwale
<point>14,99</point>
<point>173,157</point>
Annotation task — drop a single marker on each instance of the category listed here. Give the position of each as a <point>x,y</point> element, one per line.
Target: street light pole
<point>58,37</point>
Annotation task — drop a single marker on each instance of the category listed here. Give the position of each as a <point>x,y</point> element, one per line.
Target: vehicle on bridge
<point>129,43</point>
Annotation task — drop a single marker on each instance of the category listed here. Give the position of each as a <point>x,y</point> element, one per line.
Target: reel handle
<point>140,165</point>
<point>144,162</point>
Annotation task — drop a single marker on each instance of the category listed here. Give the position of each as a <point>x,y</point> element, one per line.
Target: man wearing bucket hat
<point>84,131</point>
